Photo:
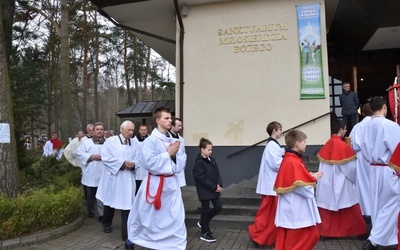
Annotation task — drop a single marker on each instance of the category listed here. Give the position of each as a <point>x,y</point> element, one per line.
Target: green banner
<point>309,27</point>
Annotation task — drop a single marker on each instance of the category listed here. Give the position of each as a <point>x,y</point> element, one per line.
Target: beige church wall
<point>231,96</point>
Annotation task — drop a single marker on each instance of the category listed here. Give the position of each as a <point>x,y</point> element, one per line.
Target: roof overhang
<point>357,24</point>
<point>152,21</point>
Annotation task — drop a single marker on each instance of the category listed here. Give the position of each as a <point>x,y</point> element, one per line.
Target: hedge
<point>38,210</point>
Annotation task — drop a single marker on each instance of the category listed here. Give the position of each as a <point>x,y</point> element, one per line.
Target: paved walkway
<point>91,236</point>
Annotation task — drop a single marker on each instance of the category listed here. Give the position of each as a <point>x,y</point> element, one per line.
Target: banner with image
<point>309,27</point>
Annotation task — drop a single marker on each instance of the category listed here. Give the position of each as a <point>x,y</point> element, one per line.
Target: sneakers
<point>198,224</point>
<point>207,237</point>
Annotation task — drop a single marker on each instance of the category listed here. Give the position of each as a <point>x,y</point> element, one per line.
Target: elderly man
<point>120,155</point>
<point>89,130</point>
<point>92,166</point>
<point>70,150</point>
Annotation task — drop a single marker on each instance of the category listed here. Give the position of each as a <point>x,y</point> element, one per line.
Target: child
<point>337,197</point>
<point>263,231</point>
<point>208,185</point>
<point>297,212</point>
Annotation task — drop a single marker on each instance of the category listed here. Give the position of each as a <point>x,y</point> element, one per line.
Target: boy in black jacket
<point>208,185</point>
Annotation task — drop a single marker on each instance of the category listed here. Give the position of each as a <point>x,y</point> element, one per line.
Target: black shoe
<point>90,214</point>
<point>100,218</point>
<point>208,237</point>
<point>198,224</point>
<point>107,230</point>
<point>128,247</point>
<point>368,246</point>
<point>123,238</point>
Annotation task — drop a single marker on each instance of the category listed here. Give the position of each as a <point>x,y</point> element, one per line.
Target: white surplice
<point>117,186</point>
<point>141,172</point>
<point>337,189</point>
<point>269,166</point>
<point>378,143</point>
<point>70,151</point>
<point>181,175</point>
<point>303,214</point>
<point>363,168</point>
<point>164,228</point>
<point>48,150</point>
<point>91,170</point>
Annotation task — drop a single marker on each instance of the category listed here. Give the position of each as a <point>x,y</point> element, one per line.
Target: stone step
<point>244,201</point>
<point>231,210</point>
<point>223,221</point>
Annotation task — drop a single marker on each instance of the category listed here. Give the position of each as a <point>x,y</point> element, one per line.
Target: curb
<point>42,236</point>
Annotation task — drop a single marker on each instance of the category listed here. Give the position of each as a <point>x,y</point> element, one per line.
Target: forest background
<point>63,65</point>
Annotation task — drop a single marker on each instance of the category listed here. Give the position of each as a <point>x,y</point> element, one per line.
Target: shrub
<point>37,210</point>
<point>48,171</point>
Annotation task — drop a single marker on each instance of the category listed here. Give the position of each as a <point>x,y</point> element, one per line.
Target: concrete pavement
<point>90,236</point>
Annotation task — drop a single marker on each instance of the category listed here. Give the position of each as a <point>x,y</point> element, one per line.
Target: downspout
<point>181,36</point>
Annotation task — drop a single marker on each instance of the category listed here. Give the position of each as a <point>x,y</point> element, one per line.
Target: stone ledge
<point>42,236</point>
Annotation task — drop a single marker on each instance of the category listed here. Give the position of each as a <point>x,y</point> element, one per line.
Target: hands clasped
<point>173,148</point>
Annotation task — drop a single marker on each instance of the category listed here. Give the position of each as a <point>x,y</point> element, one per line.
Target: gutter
<point>181,39</point>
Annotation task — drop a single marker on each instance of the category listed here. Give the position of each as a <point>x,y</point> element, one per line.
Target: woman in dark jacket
<point>208,185</point>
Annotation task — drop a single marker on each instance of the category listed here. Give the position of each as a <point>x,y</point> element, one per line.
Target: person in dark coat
<point>350,103</point>
<point>208,185</point>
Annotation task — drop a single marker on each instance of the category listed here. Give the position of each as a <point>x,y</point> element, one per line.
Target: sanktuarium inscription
<point>253,38</point>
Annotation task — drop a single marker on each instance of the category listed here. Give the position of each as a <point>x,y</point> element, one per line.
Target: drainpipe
<point>181,35</point>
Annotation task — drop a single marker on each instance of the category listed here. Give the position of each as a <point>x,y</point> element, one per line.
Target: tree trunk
<point>146,73</point>
<point>96,70</point>
<point>85,80</point>
<point>9,177</point>
<point>135,70</point>
<point>128,87</point>
<point>65,91</point>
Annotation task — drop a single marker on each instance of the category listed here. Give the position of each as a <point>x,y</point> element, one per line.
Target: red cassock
<point>263,231</point>
<point>292,174</point>
<point>395,164</point>
<point>346,221</point>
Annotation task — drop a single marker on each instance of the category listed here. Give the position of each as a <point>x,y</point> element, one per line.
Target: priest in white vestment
<point>120,155</point>
<point>70,150</point>
<point>89,155</point>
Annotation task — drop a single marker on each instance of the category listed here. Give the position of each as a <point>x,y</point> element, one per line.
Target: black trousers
<point>207,214</point>
<point>109,216</point>
<point>138,182</point>
<point>90,196</point>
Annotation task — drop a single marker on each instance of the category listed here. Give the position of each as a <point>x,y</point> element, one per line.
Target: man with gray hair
<point>92,166</point>
<point>89,130</point>
<point>120,156</point>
